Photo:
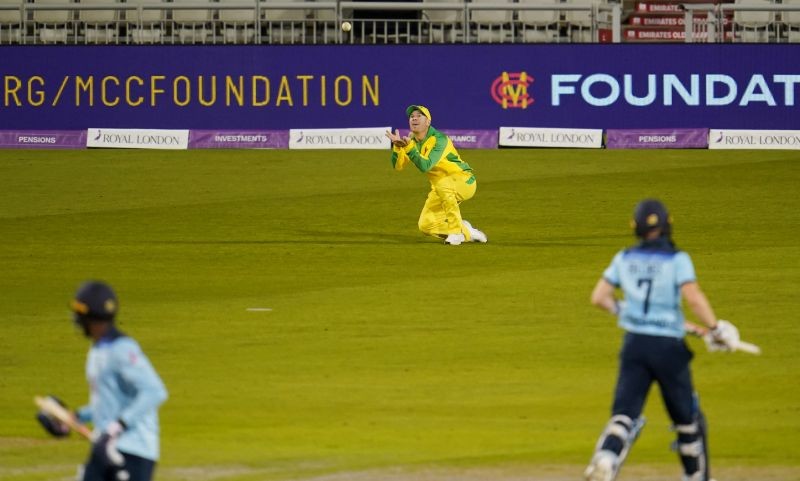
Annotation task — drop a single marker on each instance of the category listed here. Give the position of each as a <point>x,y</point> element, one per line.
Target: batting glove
<point>105,448</point>
<point>724,337</point>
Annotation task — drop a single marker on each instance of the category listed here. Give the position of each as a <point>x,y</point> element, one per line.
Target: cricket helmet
<point>94,300</point>
<point>422,109</point>
<point>651,214</point>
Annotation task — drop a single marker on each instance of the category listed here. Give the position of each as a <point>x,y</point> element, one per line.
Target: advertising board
<point>608,86</point>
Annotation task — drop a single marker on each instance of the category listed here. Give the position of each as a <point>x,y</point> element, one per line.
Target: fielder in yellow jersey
<point>452,180</point>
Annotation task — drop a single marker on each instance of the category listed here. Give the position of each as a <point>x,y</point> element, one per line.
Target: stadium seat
<point>284,25</point>
<point>191,25</point>
<point>99,26</point>
<point>443,26</point>
<point>492,25</point>
<point>539,25</point>
<point>144,25</point>
<point>52,26</point>
<point>791,21</point>
<point>324,26</point>
<point>580,23</point>
<point>237,25</point>
<point>11,21</point>
<point>752,26</point>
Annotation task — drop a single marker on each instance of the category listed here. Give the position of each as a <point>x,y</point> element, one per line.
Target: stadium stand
<point>492,26</point>
<point>791,21</point>
<point>144,25</point>
<point>285,25</point>
<point>665,21</point>
<point>191,25</point>
<point>238,23</point>
<point>11,21</point>
<point>51,22</point>
<point>99,25</point>
<point>741,21</point>
<point>443,26</point>
<point>753,26</point>
<point>392,21</point>
<point>539,25</point>
<point>324,28</point>
<point>581,24</point>
<point>401,21</point>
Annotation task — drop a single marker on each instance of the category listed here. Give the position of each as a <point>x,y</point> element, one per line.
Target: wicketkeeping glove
<point>724,337</point>
<point>52,425</point>
<point>104,448</point>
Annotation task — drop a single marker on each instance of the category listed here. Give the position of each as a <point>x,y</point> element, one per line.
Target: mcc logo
<point>510,90</point>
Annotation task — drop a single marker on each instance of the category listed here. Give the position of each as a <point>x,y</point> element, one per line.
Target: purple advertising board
<point>239,139</point>
<point>598,86</point>
<point>472,139</point>
<point>657,139</point>
<point>43,139</point>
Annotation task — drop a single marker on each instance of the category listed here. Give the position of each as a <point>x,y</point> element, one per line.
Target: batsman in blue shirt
<point>654,276</point>
<point>125,393</point>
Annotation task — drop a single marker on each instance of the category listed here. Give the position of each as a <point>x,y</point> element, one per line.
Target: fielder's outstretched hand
<point>396,139</point>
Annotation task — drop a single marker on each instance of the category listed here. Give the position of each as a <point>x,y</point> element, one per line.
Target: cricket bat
<point>50,407</point>
<point>748,348</point>
<point>702,332</point>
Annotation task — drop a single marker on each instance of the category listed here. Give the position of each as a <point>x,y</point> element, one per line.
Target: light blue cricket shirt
<point>651,275</point>
<point>124,385</point>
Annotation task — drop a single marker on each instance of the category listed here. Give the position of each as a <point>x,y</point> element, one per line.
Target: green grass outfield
<point>385,350</point>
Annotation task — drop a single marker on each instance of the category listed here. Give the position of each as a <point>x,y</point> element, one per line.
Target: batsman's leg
<point>96,472</point>
<point>680,399</point>
<point>613,447</point>
<point>92,471</point>
<point>701,422</point>
<point>692,452</point>
<point>139,469</point>
<point>626,423</point>
<point>692,447</point>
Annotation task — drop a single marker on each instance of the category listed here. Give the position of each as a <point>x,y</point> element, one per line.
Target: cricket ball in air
<point>346,26</point>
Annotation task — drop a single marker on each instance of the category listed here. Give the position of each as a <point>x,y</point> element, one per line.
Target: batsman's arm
<point>694,329</point>
<point>84,414</point>
<point>698,304</point>
<point>135,368</point>
<point>603,296</point>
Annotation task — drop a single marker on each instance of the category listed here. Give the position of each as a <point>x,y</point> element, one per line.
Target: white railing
<point>264,22</point>
<point>726,23</point>
<point>600,14</point>
<point>418,30</point>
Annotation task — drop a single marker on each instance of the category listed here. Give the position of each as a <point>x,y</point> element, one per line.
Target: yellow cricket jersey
<point>436,156</point>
